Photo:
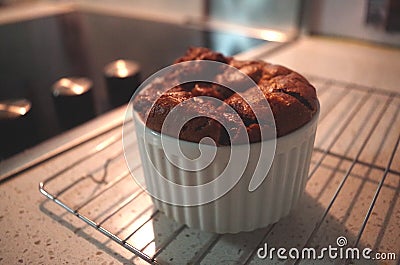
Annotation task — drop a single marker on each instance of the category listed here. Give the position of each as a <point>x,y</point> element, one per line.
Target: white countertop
<point>36,231</point>
<point>344,60</point>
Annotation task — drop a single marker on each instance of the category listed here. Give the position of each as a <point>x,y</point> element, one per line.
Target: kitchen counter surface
<point>349,61</point>
<point>36,231</point>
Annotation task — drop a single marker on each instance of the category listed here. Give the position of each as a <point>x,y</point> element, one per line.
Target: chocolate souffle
<point>291,97</point>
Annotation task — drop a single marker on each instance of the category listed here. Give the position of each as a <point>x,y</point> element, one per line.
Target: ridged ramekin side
<point>239,209</point>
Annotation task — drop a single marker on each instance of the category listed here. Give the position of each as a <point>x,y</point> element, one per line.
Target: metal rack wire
<point>352,191</point>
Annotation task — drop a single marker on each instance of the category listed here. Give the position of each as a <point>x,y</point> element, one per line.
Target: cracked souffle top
<point>292,100</point>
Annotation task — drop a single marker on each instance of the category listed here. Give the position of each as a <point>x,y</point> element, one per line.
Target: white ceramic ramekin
<point>239,209</point>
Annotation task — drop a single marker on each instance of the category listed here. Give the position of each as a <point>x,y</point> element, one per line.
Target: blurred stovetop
<point>36,53</point>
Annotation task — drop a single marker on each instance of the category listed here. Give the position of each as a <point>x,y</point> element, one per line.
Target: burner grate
<point>353,190</point>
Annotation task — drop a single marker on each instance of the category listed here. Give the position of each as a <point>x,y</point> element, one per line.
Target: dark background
<point>36,53</point>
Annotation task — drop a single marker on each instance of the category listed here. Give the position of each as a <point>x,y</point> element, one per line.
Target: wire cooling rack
<point>353,191</point>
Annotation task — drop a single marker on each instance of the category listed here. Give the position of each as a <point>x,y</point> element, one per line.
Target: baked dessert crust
<point>291,97</point>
